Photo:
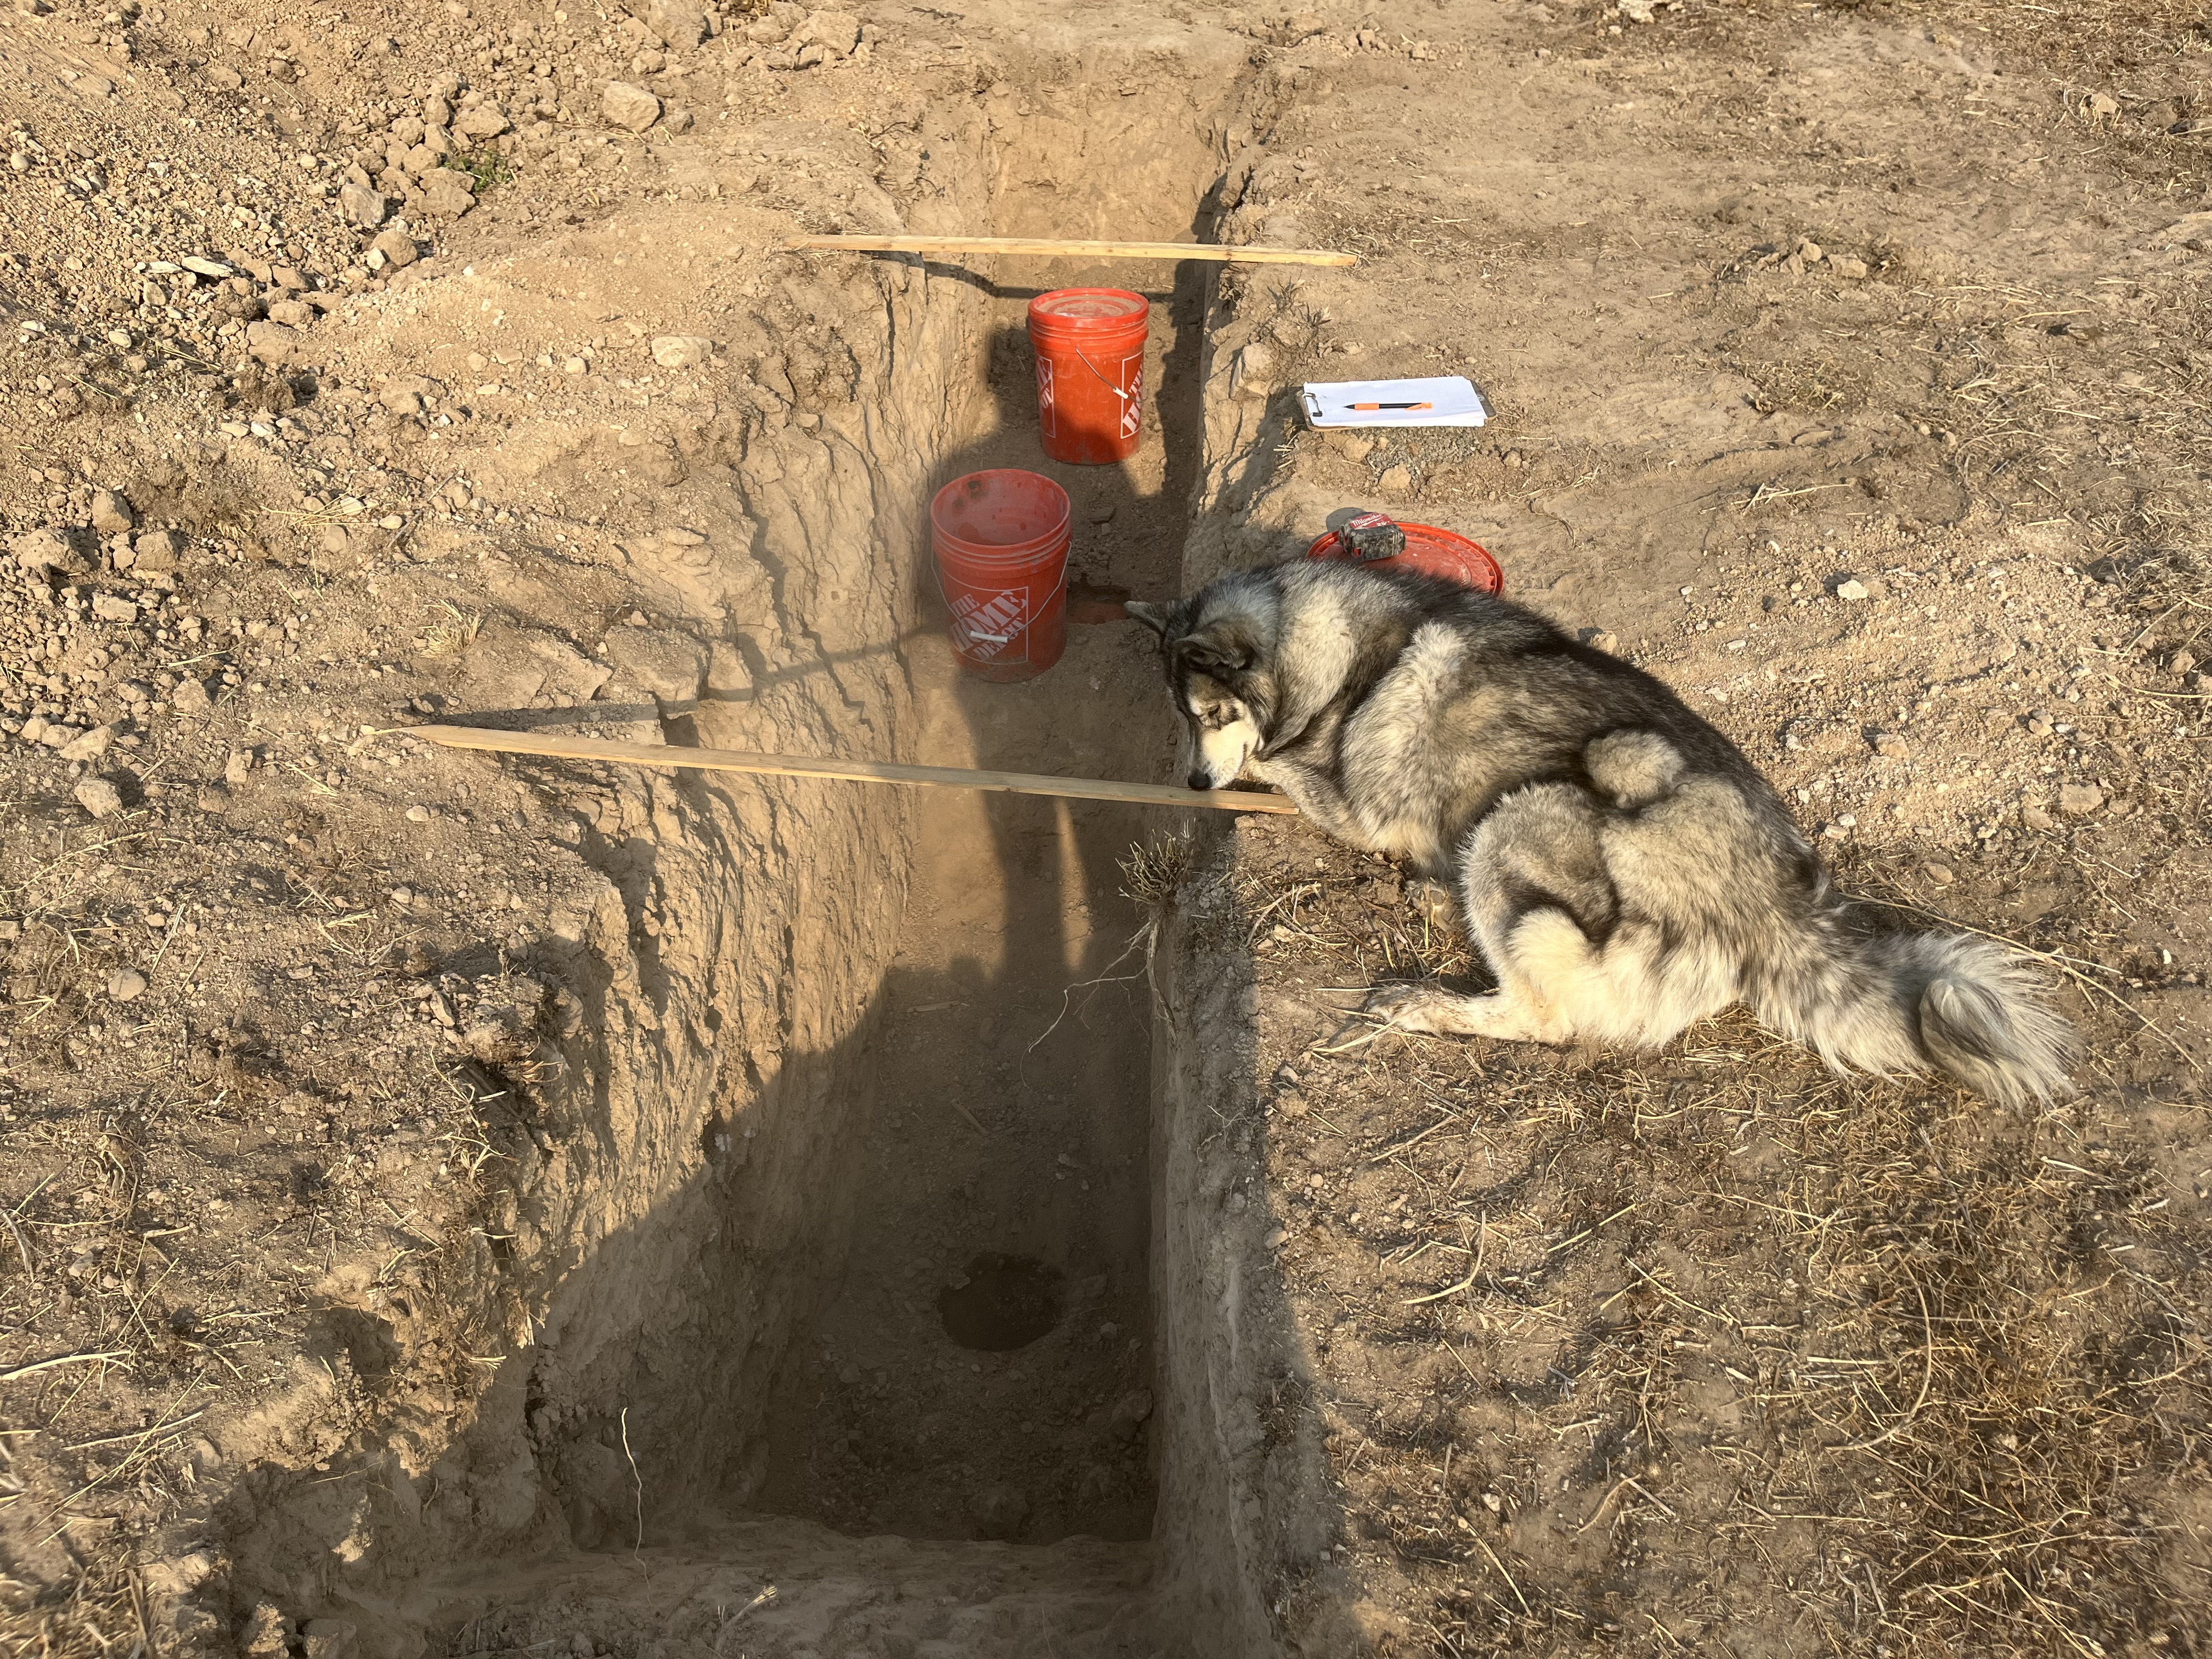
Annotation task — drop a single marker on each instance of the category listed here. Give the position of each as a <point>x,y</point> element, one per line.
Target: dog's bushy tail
<point>1909,1002</point>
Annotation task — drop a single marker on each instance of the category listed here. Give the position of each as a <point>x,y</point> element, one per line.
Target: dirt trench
<point>865,1339</point>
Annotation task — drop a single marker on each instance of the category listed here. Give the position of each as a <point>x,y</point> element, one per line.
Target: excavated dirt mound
<point>463,1206</point>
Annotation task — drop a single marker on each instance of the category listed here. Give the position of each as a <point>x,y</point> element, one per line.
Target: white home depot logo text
<point>983,624</point>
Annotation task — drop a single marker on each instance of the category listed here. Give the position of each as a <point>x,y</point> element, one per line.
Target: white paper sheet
<point>1452,400</point>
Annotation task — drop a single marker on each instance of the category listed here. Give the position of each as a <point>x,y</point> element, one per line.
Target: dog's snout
<point>1198,781</point>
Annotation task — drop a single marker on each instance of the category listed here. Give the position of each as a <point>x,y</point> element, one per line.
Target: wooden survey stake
<point>799,766</point>
<point>1047,247</point>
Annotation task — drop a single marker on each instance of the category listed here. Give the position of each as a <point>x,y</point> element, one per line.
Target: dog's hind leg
<point>1515,1013</point>
<point>1536,893</point>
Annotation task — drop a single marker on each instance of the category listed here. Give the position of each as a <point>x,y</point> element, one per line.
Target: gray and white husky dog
<point>1623,868</point>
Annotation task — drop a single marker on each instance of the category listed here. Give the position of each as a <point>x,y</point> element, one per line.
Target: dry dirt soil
<point>464,1205</point>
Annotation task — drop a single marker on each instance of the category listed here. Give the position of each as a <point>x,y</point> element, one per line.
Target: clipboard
<point>1440,400</point>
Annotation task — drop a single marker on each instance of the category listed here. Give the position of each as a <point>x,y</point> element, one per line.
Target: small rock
<point>158,550</point>
<point>292,314</point>
<point>396,390</point>
<point>1133,1408</point>
<point>403,897</point>
<point>2035,818</point>
<point>1847,265</point>
<point>681,350</point>
<point>1851,588</point>
<point>191,697</point>
<point>837,32</point>
<point>1892,744</point>
<point>211,798</point>
<point>1941,874</point>
<point>418,815</point>
<point>2038,725</point>
<point>110,608</point>
<point>1396,481</point>
<point>448,192</point>
<point>37,550</point>
<point>396,247</point>
<point>273,343</point>
<point>1251,371</point>
<point>126,985</point>
<point>2078,800</point>
<point>99,797</point>
<point>91,746</point>
<point>112,513</point>
<point>239,768</point>
<point>676,22</point>
<point>360,205</point>
<point>1352,446</point>
<point>1602,639</point>
<point>2181,662</point>
<point>632,108</point>
<point>485,121</point>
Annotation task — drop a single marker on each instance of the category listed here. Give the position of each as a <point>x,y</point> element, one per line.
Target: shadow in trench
<point>1010,1123</point>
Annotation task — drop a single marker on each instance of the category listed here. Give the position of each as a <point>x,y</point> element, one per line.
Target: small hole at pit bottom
<point>1001,1302</point>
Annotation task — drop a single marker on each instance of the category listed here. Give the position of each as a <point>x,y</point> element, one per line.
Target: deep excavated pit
<point>1010,1115</point>
<point>910,1295</point>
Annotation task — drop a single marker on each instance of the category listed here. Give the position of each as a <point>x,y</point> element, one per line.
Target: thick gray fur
<point>1623,870</point>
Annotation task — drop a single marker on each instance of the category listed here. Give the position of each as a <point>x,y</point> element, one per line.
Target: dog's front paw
<point>1402,1007</point>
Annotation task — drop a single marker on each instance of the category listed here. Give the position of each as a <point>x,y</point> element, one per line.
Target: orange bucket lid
<point>1429,552</point>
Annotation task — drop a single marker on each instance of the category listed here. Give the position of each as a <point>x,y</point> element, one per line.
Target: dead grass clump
<point>2022,1381</point>
<point>1151,872</point>
<point>52,977</point>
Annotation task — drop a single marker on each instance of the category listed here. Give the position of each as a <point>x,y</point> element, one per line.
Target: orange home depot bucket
<point>1089,348</point>
<point>1001,541</point>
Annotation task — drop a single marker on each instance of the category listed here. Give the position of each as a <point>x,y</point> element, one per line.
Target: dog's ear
<point>1154,617</point>
<point>1221,650</point>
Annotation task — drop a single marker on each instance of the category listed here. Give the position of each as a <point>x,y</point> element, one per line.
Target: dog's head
<point>1219,681</point>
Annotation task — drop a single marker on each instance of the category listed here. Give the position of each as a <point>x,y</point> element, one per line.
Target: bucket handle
<point>1084,359</point>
